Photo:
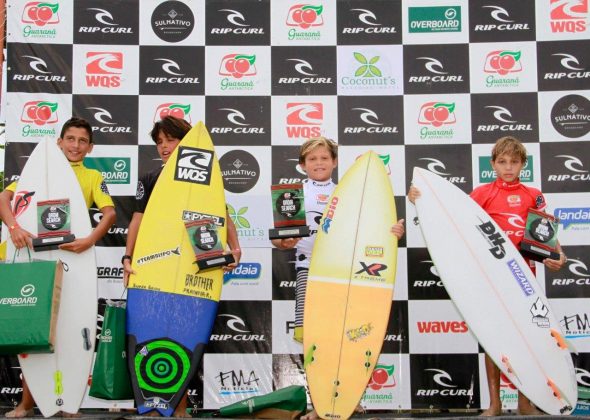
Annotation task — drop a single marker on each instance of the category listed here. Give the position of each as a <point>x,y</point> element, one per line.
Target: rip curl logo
<point>21,202</point>
<point>193,165</point>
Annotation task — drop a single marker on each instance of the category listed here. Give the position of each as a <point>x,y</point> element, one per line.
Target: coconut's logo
<point>503,62</point>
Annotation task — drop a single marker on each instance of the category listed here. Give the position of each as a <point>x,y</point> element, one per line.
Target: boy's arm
<point>82,244</point>
<point>285,243</point>
<point>233,242</point>
<point>19,236</point>
<point>132,232</point>
<point>556,265</point>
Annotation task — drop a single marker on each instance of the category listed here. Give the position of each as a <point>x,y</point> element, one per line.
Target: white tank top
<point>316,196</point>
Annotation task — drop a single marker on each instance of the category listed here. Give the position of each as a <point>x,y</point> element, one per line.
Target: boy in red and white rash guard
<point>507,201</point>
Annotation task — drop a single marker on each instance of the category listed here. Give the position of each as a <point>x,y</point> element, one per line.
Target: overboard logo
<point>435,19</point>
<point>329,215</point>
<point>244,271</point>
<point>520,277</point>
<point>193,165</point>
<point>26,297</point>
<point>577,216</point>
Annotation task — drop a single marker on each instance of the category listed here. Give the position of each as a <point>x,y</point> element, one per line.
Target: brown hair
<point>76,122</point>
<point>313,143</point>
<point>170,126</point>
<point>509,145</point>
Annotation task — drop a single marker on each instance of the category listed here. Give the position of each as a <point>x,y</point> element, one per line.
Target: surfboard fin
<point>557,392</point>
<point>309,356</point>
<point>509,368</point>
<point>563,343</point>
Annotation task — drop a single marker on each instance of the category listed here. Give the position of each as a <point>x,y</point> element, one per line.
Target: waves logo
<point>568,16</point>
<point>40,13</point>
<point>39,112</point>
<point>173,109</point>
<point>436,114</point>
<point>503,62</point>
<point>103,69</point>
<point>193,165</point>
<point>305,16</point>
<point>304,119</point>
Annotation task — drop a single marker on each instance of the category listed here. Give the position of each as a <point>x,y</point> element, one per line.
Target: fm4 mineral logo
<point>570,116</point>
<point>487,173</point>
<point>173,109</point>
<point>502,62</point>
<point>434,19</point>
<point>304,119</point>
<point>39,14</point>
<point>302,17</point>
<point>437,114</point>
<point>236,66</point>
<point>576,325</point>
<point>104,69</point>
<point>568,16</point>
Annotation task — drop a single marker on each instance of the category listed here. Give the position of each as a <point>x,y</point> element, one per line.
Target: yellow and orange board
<point>350,288</point>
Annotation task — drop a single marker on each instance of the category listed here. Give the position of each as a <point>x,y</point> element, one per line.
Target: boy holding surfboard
<point>502,199</point>
<point>318,157</point>
<point>75,141</point>
<point>166,134</point>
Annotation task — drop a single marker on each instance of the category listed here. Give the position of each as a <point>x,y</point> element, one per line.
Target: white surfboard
<point>58,380</point>
<point>496,293</point>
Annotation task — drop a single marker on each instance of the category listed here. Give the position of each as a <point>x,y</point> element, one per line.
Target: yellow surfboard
<point>350,288</point>
<point>171,305</point>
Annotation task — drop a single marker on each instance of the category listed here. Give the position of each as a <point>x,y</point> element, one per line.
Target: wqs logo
<point>193,165</point>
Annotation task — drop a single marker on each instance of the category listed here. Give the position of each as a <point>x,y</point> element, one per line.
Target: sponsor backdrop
<point>423,83</point>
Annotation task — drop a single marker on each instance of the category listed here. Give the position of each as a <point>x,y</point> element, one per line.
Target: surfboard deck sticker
<point>171,307</point>
<point>350,288</point>
<point>496,293</point>
<point>58,381</point>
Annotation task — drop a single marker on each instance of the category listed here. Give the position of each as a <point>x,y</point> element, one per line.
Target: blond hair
<point>509,145</point>
<point>313,143</point>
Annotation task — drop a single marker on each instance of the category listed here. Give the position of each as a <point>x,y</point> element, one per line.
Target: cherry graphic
<point>429,114</point>
<point>177,112</point>
<point>495,62</point>
<point>242,65</point>
<point>309,16</point>
<point>32,112</point>
<point>164,113</point>
<point>44,13</point>
<point>297,16</point>
<point>441,113</point>
<point>44,112</point>
<point>380,376</point>
<point>32,12</point>
<point>230,65</point>
<point>507,62</point>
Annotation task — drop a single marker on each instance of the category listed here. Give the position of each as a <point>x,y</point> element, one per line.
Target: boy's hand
<point>237,253</point>
<point>413,194</point>
<point>398,229</point>
<point>78,245</point>
<point>127,271</point>
<point>20,237</point>
<point>288,243</point>
<point>555,265</point>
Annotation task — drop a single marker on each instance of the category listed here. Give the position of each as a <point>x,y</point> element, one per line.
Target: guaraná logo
<point>173,109</point>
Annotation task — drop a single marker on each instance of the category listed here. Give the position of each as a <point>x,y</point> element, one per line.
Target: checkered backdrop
<point>423,83</point>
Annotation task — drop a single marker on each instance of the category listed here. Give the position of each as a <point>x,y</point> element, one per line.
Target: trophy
<point>204,239</point>
<point>288,211</point>
<point>540,236</point>
<point>53,225</point>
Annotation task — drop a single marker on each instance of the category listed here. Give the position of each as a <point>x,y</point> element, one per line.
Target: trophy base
<point>289,232</point>
<point>49,243</point>
<point>213,262</point>
<point>537,253</point>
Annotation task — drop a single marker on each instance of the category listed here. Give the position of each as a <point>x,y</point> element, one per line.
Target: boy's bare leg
<point>25,407</point>
<point>493,374</point>
<point>525,407</point>
<point>181,408</point>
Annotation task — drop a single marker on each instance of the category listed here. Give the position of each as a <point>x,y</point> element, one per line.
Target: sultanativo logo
<point>237,66</point>
<point>26,297</point>
<point>569,16</point>
<point>304,119</point>
<point>104,69</point>
<point>367,74</point>
<point>39,113</point>
<point>576,218</point>
<point>437,114</point>
<point>302,17</point>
